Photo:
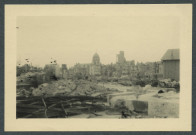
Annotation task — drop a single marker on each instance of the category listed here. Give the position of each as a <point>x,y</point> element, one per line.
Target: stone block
<point>140,106</point>
<point>137,105</point>
<point>163,109</point>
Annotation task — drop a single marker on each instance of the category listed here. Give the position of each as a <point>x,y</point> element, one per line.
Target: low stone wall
<point>163,109</point>
<point>153,107</point>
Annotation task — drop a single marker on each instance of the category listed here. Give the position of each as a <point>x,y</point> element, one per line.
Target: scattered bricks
<point>37,92</point>
<point>67,89</point>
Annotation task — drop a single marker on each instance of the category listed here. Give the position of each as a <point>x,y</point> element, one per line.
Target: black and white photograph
<point>100,62</point>
<point>63,72</point>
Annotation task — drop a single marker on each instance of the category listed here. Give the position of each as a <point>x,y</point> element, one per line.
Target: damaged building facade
<point>95,67</point>
<point>171,64</point>
<point>150,70</point>
<point>53,71</point>
<point>122,68</point>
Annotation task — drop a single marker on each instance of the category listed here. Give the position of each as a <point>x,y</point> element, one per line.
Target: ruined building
<point>171,64</point>
<point>120,58</point>
<point>53,71</point>
<point>95,67</point>
<point>64,71</point>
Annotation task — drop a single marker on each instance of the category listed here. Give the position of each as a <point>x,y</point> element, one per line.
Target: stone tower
<point>96,59</point>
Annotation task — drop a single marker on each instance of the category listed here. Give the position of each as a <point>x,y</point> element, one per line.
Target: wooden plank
<point>27,116</point>
<point>29,106</point>
<point>25,110</point>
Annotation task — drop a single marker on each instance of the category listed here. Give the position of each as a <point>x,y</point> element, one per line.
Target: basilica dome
<point>96,59</point>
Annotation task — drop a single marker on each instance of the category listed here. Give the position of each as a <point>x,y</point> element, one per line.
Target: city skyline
<point>51,61</point>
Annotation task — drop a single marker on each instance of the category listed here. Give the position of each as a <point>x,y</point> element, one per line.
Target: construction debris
<point>72,98</point>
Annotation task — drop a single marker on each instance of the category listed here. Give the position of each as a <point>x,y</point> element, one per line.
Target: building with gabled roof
<point>171,64</point>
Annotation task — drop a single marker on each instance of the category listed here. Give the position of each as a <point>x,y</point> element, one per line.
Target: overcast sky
<point>74,39</point>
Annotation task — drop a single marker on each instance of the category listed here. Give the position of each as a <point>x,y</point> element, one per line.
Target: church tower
<point>95,68</point>
<point>96,59</point>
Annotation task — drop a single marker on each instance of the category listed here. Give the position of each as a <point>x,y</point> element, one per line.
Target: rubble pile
<point>69,88</point>
<point>141,90</point>
<point>169,83</point>
<point>24,92</point>
<point>26,77</point>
